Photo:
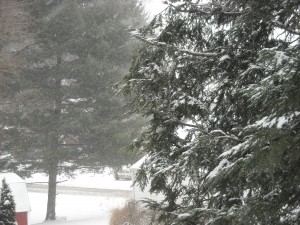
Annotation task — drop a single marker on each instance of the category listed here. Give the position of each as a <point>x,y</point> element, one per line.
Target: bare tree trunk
<point>51,214</point>
<point>53,160</point>
<point>116,175</point>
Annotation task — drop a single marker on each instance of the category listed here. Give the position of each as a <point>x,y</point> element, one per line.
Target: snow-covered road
<point>40,188</point>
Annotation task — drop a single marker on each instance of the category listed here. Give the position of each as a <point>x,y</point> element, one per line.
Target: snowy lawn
<point>74,209</point>
<point>78,209</point>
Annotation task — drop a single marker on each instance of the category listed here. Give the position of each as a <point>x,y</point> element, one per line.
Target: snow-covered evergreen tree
<point>7,206</point>
<point>227,73</point>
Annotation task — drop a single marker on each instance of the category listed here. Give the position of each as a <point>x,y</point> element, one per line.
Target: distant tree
<point>14,36</point>
<point>7,206</point>
<point>68,115</point>
<point>227,73</point>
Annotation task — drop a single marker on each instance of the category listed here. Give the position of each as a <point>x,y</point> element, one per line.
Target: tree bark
<point>53,160</point>
<point>51,214</point>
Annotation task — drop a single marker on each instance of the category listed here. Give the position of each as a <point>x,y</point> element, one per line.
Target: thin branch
<point>200,11</point>
<point>28,46</point>
<point>190,125</point>
<point>164,45</point>
<point>282,26</point>
<point>7,71</point>
<point>232,137</point>
<point>218,132</point>
<point>71,144</point>
<point>203,130</point>
<point>13,6</point>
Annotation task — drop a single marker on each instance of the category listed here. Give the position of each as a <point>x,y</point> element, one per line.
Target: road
<point>81,191</point>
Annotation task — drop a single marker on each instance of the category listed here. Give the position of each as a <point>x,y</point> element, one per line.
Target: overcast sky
<point>153,6</point>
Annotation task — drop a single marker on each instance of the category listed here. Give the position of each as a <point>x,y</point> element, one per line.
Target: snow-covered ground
<point>74,209</point>
<point>78,209</point>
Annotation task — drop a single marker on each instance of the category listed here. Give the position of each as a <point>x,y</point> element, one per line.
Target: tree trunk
<point>51,215</point>
<point>53,160</point>
<point>116,175</point>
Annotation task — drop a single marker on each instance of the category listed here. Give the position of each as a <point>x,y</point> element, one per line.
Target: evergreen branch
<point>282,26</point>
<point>224,135</point>
<point>209,12</point>
<point>13,6</point>
<point>2,128</point>
<point>198,11</point>
<point>203,130</point>
<point>72,144</point>
<point>218,131</point>
<point>164,45</point>
<point>7,71</point>
<point>28,46</point>
<point>232,137</point>
<point>191,125</point>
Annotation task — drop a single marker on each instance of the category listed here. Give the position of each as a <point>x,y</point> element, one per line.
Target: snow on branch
<point>224,164</point>
<point>218,132</point>
<point>235,149</point>
<point>221,134</point>
<point>282,26</point>
<point>273,121</point>
<point>224,135</point>
<point>210,10</point>
<point>164,45</point>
